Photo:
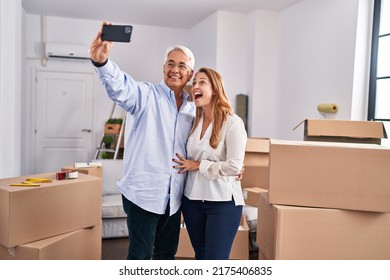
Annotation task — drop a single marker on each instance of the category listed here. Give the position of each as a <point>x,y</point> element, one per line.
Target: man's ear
<point>190,77</point>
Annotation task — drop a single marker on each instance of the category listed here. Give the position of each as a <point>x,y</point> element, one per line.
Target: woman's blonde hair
<point>222,106</point>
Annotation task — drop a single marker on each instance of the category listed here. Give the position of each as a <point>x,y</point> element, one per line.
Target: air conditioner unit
<point>66,51</point>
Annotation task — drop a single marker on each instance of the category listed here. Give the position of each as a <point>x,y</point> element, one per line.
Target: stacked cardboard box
<point>82,244</point>
<point>369,132</point>
<point>34,220</point>
<point>251,196</point>
<point>256,176</point>
<point>256,164</point>
<point>332,175</point>
<point>308,233</point>
<point>311,176</point>
<point>326,200</point>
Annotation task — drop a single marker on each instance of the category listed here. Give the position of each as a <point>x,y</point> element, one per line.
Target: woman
<point>212,201</point>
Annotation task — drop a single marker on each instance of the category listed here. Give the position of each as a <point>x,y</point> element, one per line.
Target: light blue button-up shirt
<point>158,133</point>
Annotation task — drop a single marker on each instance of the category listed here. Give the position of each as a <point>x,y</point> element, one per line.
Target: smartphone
<point>117,33</point>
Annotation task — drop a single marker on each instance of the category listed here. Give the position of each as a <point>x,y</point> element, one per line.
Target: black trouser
<point>151,236</point>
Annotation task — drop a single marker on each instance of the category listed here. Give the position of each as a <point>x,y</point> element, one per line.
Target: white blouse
<point>216,178</point>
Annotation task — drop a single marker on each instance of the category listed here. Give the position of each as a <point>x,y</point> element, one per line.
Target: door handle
<point>86,130</point>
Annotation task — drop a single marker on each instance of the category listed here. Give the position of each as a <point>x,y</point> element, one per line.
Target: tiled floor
<point>116,249</point>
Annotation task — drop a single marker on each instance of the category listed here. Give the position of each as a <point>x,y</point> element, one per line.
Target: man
<point>151,188</point>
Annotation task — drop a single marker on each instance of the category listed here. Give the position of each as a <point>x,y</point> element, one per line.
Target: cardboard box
<point>303,233</point>
<point>261,255</point>
<point>251,196</point>
<point>331,175</point>
<point>184,250</point>
<point>256,164</point>
<point>240,249</point>
<point>82,244</point>
<point>28,214</point>
<point>370,132</point>
<point>93,170</point>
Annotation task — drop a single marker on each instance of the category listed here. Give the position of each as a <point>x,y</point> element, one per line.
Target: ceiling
<point>167,13</point>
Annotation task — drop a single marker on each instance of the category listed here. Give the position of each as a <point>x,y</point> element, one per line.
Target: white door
<point>63,119</point>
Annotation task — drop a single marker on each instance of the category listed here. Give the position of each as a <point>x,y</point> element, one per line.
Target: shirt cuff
<point>97,64</point>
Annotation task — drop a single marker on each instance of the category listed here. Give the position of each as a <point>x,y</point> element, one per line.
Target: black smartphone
<point>117,33</point>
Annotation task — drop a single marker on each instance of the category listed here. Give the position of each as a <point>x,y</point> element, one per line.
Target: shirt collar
<point>168,91</point>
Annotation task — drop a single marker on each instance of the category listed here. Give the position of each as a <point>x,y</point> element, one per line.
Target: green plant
<point>115,121</point>
<point>104,155</point>
<point>108,139</point>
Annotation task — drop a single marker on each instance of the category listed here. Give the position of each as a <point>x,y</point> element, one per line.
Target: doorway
<point>63,119</point>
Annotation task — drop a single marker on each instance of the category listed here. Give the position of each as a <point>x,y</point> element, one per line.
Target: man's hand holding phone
<point>101,45</point>
<point>99,50</point>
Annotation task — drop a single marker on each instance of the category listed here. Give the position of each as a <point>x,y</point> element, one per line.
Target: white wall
<point>231,57</point>
<point>286,62</point>
<point>262,63</point>
<point>316,61</point>
<point>204,42</point>
<point>10,87</point>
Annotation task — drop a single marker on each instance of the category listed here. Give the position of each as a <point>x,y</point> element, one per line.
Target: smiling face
<point>202,91</point>
<point>177,73</point>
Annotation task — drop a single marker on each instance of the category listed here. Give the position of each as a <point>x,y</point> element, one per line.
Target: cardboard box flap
<point>344,128</point>
<point>257,145</point>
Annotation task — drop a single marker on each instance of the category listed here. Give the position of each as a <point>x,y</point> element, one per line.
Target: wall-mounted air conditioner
<point>66,51</point>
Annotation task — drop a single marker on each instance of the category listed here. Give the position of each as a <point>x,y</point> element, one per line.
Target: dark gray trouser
<point>151,236</point>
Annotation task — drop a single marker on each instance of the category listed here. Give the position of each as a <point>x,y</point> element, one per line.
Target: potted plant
<point>115,121</point>
<point>104,155</point>
<point>107,140</point>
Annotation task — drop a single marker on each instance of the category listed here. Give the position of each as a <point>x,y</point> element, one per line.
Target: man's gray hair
<point>185,50</point>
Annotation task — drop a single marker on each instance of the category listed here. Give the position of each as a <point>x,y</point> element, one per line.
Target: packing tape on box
<point>327,108</point>
<point>71,174</point>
